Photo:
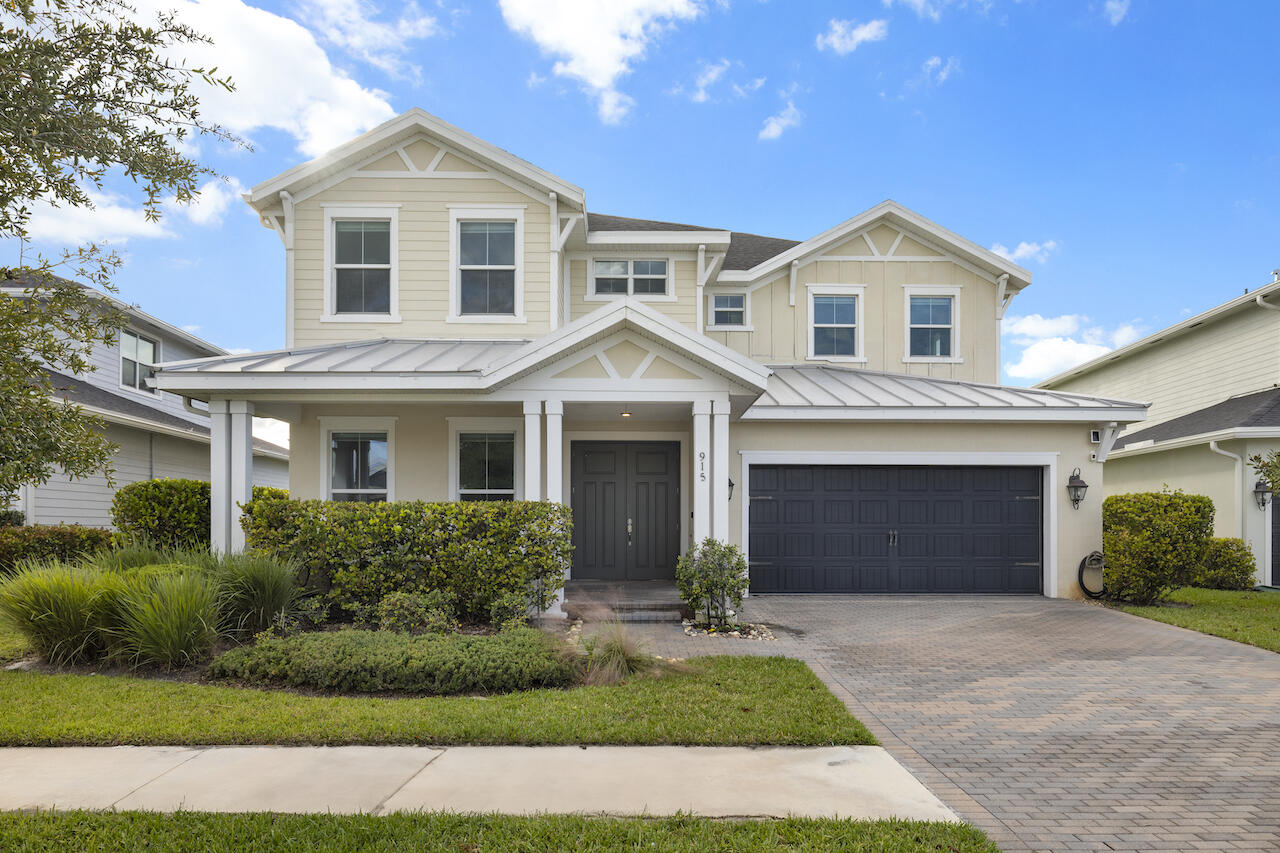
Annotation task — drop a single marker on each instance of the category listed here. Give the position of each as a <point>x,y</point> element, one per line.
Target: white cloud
<point>1038,252</point>
<point>284,79</point>
<point>744,89</point>
<point>1050,345</point>
<point>112,219</point>
<point>351,26</point>
<point>272,430</point>
<point>598,42</point>
<point>937,71</point>
<point>774,125</point>
<point>922,8</point>
<point>1115,11</point>
<point>212,202</point>
<point>707,77</point>
<point>1051,356</point>
<point>1035,326</point>
<point>534,80</point>
<point>240,350</point>
<point>843,37</point>
<point>191,328</point>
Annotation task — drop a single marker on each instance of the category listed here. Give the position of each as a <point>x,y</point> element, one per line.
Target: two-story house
<point>1214,385</point>
<point>461,327</point>
<point>157,435</point>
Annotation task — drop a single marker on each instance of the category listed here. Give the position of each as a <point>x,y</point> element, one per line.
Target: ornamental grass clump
<point>255,592</point>
<point>58,609</point>
<point>170,621</point>
<point>613,655</point>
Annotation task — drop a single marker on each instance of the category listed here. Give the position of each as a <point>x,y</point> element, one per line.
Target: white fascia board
<point>658,238</point>
<point>229,383</point>
<point>899,216</point>
<point>1193,440</point>
<point>1173,331</point>
<point>405,124</point>
<point>950,414</point>
<point>162,429</point>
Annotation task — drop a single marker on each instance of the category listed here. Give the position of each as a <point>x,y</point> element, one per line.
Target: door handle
<point>628,531</point>
<point>893,537</point>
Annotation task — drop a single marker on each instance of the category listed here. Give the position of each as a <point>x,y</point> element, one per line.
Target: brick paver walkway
<point>1052,725</point>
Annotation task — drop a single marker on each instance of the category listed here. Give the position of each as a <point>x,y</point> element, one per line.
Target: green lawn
<point>1247,617</point>
<point>472,833</point>
<point>13,646</point>
<point>721,700</point>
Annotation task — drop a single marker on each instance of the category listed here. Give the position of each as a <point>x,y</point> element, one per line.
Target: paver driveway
<point>1055,725</point>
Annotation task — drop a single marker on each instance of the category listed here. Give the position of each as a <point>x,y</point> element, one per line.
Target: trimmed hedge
<point>170,512</point>
<point>475,552</point>
<point>354,661</point>
<point>64,542</point>
<point>1228,564</point>
<point>1153,542</point>
<point>12,518</point>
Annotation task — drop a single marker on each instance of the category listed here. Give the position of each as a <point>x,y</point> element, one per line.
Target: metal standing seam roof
<point>385,355</point>
<point>825,386</point>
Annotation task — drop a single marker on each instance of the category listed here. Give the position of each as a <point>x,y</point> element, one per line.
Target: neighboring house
<point>459,326</point>
<point>157,435</point>
<point>1214,385</point>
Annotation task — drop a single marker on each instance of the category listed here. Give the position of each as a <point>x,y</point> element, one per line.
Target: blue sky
<point>1126,151</point>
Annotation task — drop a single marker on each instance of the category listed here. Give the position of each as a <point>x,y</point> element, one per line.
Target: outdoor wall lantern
<point>730,488</point>
<point>1262,493</point>
<point>1076,487</point>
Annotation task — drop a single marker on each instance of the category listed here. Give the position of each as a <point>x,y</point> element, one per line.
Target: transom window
<point>362,266</point>
<point>358,466</point>
<point>835,325</point>
<point>486,466</point>
<point>930,326</point>
<point>728,309</point>
<point>487,267</point>
<point>639,278</point>
<point>137,357</point>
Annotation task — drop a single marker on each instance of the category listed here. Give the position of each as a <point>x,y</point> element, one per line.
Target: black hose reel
<point>1092,567</point>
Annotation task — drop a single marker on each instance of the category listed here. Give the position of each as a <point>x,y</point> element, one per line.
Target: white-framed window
<point>359,462</point>
<point>361,260</point>
<point>728,311</point>
<point>138,356</point>
<point>486,256</point>
<point>486,456</point>
<point>835,322</point>
<point>648,278</point>
<point>932,323</point>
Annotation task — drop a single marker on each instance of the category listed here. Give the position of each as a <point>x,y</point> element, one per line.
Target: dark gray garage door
<point>842,528</point>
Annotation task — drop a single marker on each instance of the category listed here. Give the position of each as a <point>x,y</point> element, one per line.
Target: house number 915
<point>702,466</point>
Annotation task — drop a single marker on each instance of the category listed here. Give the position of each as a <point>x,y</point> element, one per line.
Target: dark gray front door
<point>626,509</point>
<point>895,529</point>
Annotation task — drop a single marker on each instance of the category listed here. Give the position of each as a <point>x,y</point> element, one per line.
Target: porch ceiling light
<point>1262,493</point>
<point>626,414</point>
<point>1076,487</point>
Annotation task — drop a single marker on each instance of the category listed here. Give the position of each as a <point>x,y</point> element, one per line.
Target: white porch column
<point>533,450</point>
<point>241,468</point>
<point>720,469</point>
<point>219,476</point>
<point>701,470</point>
<point>555,459</point>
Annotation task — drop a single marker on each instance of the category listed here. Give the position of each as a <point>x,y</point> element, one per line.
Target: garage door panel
<point>818,528</point>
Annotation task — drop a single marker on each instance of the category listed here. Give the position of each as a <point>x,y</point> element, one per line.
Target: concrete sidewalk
<point>847,782</point>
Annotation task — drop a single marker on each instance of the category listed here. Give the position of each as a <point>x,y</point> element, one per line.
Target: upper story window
<point>486,257</point>
<point>636,278</point>
<point>137,357</point>
<point>358,466</point>
<point>729,309</point>
<point>487,466</point>
<point>931,323</point>
<point>835,320</point>
<point>360,260</point>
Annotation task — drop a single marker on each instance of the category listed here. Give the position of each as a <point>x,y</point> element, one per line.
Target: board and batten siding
<point>423,273</point>
<point>1233,355</point>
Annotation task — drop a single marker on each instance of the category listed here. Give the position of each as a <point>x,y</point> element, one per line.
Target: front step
<point>643,601</point>
<point>593,611</point>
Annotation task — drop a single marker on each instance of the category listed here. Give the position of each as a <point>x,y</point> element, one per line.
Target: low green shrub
<point>172,621</point>
<point>711,579</point>
<point>40,542</point>
<point>1228,564</point>
<point>509,611</point>
<point>417,613</point>
<point>361,552</point>
<point>171,512</point>
<point>355,661</point>
<point>12,518</point>
<point>1153,542</point>
<point>255,592</point>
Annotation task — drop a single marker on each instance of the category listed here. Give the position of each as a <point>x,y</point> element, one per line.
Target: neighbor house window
<point>137,357</point>
<point>358,466</point>
<point>486,466</point>
<point>835,325</point>
<point>930,326</point>
<point>729,309</point>
<point>487,267</point>
<point>362,266</point>
<point>637,278</point>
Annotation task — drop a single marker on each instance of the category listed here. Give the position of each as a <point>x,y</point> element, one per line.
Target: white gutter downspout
<point>1213,445</point>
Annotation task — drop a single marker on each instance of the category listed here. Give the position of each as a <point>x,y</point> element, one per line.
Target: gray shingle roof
<point>1260,409</point>
<point>604,222</point>
<point>77,391</point>
<point>749,250</point>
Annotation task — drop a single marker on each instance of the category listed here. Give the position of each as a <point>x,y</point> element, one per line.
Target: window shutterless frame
<point>729,311</point>
<point>329,426</point>
<point>470,426</point>
<point>648,278</point>
<point>912,292</point>
<point>819,300</point>
<point>460,213</point>
<point>363,212</point>
<point>138,354</point>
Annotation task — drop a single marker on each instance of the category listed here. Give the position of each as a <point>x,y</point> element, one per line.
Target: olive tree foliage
<point>1267,467</point>
<point>89,89</point>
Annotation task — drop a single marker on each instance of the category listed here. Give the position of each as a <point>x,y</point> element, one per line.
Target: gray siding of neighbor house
<point>142,456</point>
<point>107,375</point>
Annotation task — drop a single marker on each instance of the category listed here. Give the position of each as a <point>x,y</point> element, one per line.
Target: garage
<point>895,529</point>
